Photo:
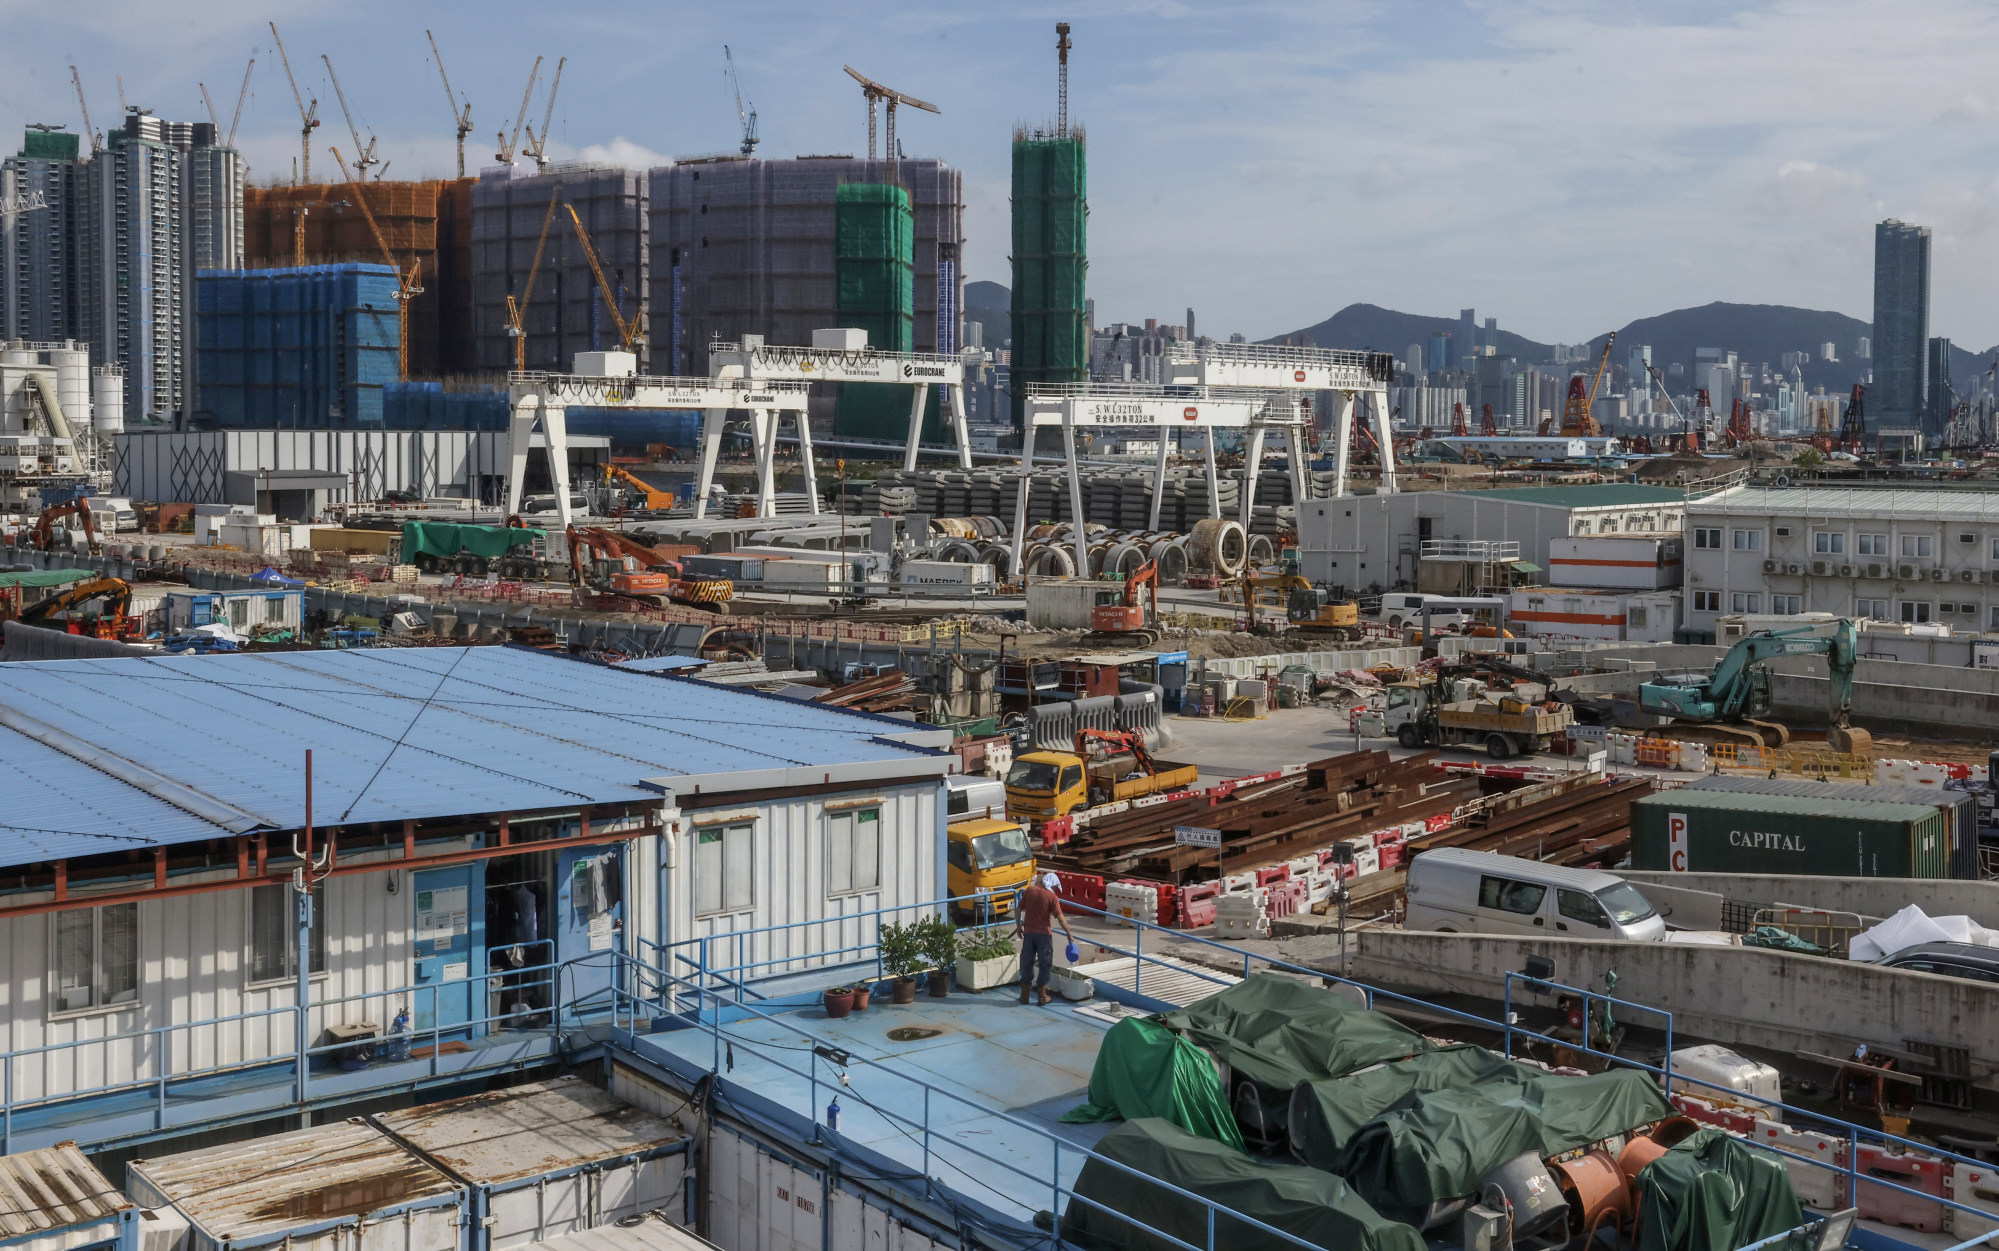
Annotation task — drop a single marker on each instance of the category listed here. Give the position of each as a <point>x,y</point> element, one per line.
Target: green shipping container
<point>1724,832</point>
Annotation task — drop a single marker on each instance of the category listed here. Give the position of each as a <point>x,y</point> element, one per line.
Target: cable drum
<point>1217,546</point>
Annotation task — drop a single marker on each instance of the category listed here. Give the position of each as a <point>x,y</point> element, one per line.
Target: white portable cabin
<point>54,1199</point>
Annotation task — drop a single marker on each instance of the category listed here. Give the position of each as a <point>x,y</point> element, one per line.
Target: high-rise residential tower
<point>42,285</point>
<point>1901,324</point>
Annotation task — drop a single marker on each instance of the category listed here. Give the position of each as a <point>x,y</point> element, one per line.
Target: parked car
<point>1966,960</point>
<point>1454,891</point>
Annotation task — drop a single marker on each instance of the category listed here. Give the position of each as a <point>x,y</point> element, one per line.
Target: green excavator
<point>1729,705</point>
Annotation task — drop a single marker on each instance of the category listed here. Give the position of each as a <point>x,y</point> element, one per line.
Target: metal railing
<point>732,986</point>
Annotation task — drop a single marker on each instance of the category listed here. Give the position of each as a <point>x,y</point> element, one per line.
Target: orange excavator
<point>113,619</point>
<point>44,535</point>
<point>1121,620</point>
<point>615,564</point>
<point>655,499</point>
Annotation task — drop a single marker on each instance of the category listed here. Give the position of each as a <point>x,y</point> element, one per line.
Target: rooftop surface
<point>396,733</point>
<point>1861,502</point>
<point>1599,495</point>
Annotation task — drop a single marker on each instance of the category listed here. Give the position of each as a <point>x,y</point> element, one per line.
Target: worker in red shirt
<point>1039,905</point>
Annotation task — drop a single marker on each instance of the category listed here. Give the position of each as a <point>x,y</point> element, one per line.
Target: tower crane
<point>517,312</point>
<point>538,145</point>
<point>363,156</point>
<point>874,92</point>
<point>628,332</point>
<point>95,140</point>
<point>407,287</point>
<point>747,119</point>
<point>308,115</point>
<point>508,145</point>
<point>462,117</point>
<point>241,94</point>
<point>212,118</point>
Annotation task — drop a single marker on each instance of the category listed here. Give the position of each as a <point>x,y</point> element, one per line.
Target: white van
<point>969,795</point>
<point>1400,608</point>
<point>1454,891</point>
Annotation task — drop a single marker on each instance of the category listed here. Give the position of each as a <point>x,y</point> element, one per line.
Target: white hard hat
<point>1051,881</point>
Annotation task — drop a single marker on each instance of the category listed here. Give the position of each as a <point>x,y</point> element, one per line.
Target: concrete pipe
<point>1123,560</point>
<point>1171,557</point>
<point>954,527</point>
<point>1217,546</point>
<point>958,552</point>
<point>1261,550</point>
<point>1000,557</point>
<point>1050,560</point>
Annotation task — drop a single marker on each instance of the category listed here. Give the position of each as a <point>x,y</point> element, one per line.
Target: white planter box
<point>1071,985</point>
<point>986,974</point>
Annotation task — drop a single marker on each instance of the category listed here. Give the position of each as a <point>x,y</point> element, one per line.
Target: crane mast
<point>363,156</point>
<point>538,146</point>
<point>461,118</point>
<point>748,120</point>
<point>308,115</point>
<point>96,141</point>
<point>509,145</point>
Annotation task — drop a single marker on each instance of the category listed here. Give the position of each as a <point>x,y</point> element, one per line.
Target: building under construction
<point>426,223</point>
<point>1051,328</point>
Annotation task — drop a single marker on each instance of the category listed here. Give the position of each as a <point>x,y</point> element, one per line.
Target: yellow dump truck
<point>990,862</point>
<point>1047,784</point>
<point>1505,726</point>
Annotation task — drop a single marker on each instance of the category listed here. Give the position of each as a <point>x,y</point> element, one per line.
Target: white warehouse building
<point>1912,555</point>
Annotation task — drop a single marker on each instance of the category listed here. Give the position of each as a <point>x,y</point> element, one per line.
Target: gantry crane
<point>517,312</point>
<point>747,119</point>
<point>308,115</point>
<point>463,118</point>
<point>627,331</point>
<point>363,156</point>
<point>874,92</point>
<point>95,140</point>
<point>407,284</point>
<point>508,145</point>
<point>538,144</point>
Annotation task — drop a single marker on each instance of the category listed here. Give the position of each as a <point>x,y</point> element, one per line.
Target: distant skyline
<point>1565,168</point>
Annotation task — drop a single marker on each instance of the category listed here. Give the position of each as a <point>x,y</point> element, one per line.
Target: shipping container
<point>654,1233</point>
<point>1960,807</point>
<point>547,1159</point>
<point>55,1200</point>
<point>945,573</point>
<point>340,1187</point>
<point>734,568</point>
<point>1694,831</point>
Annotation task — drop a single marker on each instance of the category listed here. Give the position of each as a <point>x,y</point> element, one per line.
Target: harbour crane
<point>508,145</point>
<point>875,92</point>
<point>461,117</point>
<point>363,156</point>
<point>91,136</point>
<point>1578,414</point>
<point>1737,431</point>
<point>1459,429</point>
<point>1853,426</point>
<point>538,144</point>
<point>407,284</point>
<point>241,94</point>
<point>308,115</point>
<point>517,311</point>
<point>747,119</point>
<point>627,331</point>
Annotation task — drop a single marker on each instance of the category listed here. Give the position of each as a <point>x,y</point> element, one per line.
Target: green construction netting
<point>1711,1193</point>
<point>1145,1070</point>
<point>1316,1207</point>
<point>431,538</point>
<point>1436,1145</point>
<point>1276,1032</point>
<point>45,577</point>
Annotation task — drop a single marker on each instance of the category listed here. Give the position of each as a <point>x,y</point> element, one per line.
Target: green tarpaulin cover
<point>1712,1193</point>
<point>45,577</point>
<point>433,538</point>
<point>1315,1207</point>
<point>1436,1145</point>
<point>1325,1115</point>
<point>1144,1069</point>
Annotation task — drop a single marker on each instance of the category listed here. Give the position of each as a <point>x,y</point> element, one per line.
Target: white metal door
<point>860,1226</point>
<point>757,1202</point>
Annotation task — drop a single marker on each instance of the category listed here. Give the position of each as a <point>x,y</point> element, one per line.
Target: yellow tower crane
<point>407,287</point>
<point>627,331</point>
<point>517,312</point>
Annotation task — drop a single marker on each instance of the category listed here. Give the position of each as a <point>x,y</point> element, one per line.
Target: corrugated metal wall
<point>193,953</point>
<point>188,466</point>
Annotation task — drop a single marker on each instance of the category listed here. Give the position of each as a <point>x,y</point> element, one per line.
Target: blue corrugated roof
<point>396,733</point>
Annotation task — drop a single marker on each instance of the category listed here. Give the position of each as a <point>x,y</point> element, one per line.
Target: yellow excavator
<point>1308,609</point>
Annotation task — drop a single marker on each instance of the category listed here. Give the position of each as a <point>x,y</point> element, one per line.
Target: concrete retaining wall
<point>1744,996</point>
<point>1868,896</point>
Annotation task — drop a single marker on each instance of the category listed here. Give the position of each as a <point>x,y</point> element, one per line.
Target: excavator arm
<point>117,589</point>
<point>1726,695</point>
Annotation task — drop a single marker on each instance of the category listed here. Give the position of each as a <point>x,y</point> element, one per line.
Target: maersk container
<point>547,1159</point>
<point>1695,831</point>
<point>1960,806</point>
<point>340,1187</point>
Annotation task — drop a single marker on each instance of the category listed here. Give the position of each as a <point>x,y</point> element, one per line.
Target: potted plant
<point>863,991</point>
<point>986,959</point>
<point>940,951</point>
<point>839,1001</point>
<point>902,956</point>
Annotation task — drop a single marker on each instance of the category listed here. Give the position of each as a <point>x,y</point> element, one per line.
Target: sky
<point>1566,167</point>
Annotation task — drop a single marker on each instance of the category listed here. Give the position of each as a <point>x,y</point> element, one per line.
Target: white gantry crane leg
<point>555,429</point>
<point>520,436</point>
<point>763,437</point>
<point>1020,501</point>
<point>1294,452</point>
<point>1078,525</point>
<point>959,430</point>
<point>1252,465</point>
<point>1342,444</point>
<point>1214,476</point>
<point>804,420</point>
<point>1378,401</point>
<point>711,447</point>
<point>1158,479</point>
<point>918,401</point>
